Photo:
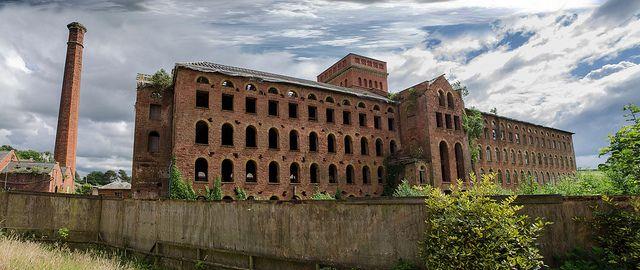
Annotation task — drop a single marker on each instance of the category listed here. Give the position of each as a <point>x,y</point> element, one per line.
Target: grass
<point>22,254</point>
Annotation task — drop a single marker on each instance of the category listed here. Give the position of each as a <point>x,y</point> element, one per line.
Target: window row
<point>526,159</point>
<point>294,175</point>
<point>449,122</point>
<point>449,103</point>
<point>513,177</point>
<point>363,82</point>
<point>524,130</point>
<point>530,140</point>
<point>444,162</point>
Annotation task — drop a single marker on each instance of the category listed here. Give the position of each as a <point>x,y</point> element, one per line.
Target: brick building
<point>280,137</point>
<point>18,174</point>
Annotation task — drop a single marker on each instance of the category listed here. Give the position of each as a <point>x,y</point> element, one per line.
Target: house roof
<point>277,78</point>
<point>28,167</point>
<point>4,154</point>
<point>116,185</point>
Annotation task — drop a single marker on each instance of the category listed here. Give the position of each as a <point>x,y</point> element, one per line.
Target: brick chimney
<point>67,133</point>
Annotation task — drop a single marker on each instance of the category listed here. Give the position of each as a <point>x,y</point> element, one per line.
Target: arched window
<point>459,161</point>
<point>508,177</point>
<point>251,170</point>
<point>497,155</point>
<point>359,81</point>
<point>441,100</point>
<point>364,146</point>
<point>227,134</point>
<point>273,172</point>
<point>361,105</point>
<point>153,142</point>
<point>292,94</point>
<point>293,140</point>
<point>488,154</point>
<point>444,162</point>
<point>274,198</point>
<point>450,103</point>
<point>329,99</point>
<point>500,177</point>
<point>227,171</point>
<point>201,170</point>
<point>370,84</point>
<point>250,137</point>
<point>311,97</point>
<point>313,173</point>
<point>294,170</point>
<point>349,174</point>
<point>392,147</point>
<point>376,108</point>
<point>202,79</point>
<point>272,90</point>
<point>333,174</point>
<point>273,138</point>
<point>227,83</point>
<point>379,148</point>
<point>380,174</point>
<point>366,175</point>
<point>250,87</point>
<point>526,158</point>
<point>505,156</point>
<point>331,143</point>
<point>346,102</point>
<point>202,132</point>
<point>390,110</point>
<point>313,142</point>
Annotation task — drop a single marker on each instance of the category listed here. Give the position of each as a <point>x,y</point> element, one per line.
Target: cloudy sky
<point>568,64</point>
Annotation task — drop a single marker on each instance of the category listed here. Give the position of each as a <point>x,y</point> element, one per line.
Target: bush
<point>583,184</point>
<point>179,189</point>
<point>241,195</point>
<point>406,190</point>
<point>470,230</point>
<point>322,196</point>
<point>216,194</point>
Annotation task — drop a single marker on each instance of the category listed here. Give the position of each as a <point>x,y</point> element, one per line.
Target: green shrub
<point>470,230</point>
<point>179,189</point>
<point>63,233</point>
<point>406,190</point>
<point>241,195</point>
<point>338,195</point>
<point>322,196</point>
<point>404,265</point>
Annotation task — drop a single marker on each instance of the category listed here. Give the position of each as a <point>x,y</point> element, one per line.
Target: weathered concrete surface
<point>371,233</point>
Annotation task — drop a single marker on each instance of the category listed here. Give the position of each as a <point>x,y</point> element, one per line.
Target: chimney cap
<point>77,25</point>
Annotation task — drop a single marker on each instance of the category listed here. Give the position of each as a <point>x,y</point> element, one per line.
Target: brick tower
<point>360,72</point>
<point>67,133</point>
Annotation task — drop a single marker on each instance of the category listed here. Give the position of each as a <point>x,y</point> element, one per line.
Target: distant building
<point>116,189</point>
<point>17,174</point>
<point>281,137</point>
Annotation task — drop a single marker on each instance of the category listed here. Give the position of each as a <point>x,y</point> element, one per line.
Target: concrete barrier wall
<point>371,233</point>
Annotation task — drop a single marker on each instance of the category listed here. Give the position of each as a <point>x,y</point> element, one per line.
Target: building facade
<point>280,137</point>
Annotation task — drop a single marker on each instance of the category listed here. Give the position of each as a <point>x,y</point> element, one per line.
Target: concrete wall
<point>370,233</point>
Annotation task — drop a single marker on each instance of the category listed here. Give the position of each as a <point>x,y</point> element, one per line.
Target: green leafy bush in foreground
<point>470,230</point>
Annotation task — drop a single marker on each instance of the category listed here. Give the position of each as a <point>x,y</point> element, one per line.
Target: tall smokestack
<point>67,133</point>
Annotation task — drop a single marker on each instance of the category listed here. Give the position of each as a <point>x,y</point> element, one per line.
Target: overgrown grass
<point>585,183</point>
<point>24,254</point>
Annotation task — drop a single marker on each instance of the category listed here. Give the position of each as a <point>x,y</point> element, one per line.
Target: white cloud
<point>609,69</point>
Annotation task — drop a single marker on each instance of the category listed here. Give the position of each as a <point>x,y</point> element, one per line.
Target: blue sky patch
<point>584,66</point>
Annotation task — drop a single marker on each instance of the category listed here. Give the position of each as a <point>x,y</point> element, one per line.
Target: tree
<point>623,164</point>
<point>473,125</point>
<point>96,178</point>
<point>7,148</point>
<point>178,188</point>
<point>83,189</point>
<point>122,175</point>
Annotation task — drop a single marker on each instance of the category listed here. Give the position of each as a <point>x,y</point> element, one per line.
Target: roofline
<point>319,85</point>
<point>344,57</point>
<point>523,122</point>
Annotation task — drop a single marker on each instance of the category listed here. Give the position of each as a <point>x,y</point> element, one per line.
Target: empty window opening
<point>155,112</point>
<point>331,143</point>
<point>379,148</point>
<point>441,100</point>
<point>348,148</point>
<point>202,79</point>
<point>422,174</point>
<point>250,137</point>
<point>273,138</point>
<point>329,115</point>
<point>227,84</point>
<point>202,99</point>
<point>392,147</point>
<point>459,162</point>
<point>294,170</point>
<point>456,122</point>
<point>313,173</point>
<point>364,146</point>
<point>362,119</point>
<point>273,172</point>
<point>349,174</point>
<point>444,162</point>
<point>227,134</point>
<point>361,105</point>
<point>227,171</point>
<point>293,140</point>
<point>293,110</point>
<point>366,175</point>
<point>153,142</point>
<point>329,99</point>
<point>390,124</point>
<point>250,87</point>
<point>346,118</point>
<point>250,105</point>
<point>251,170</point>
<point>380,175</point>
<point>311,97</point>
<point>202,132</point>
<point>227,102</point>
<point>450,103</point>
<point>292,94</point>
<point>201,170</point>
<point>439,119</point>
<point>273,108</point>
<point>376,122</point>
<point>272,90</point>
<point>333,173</point>
<point>313,113</point>
<point>447,120</point>
<point>313,142</point>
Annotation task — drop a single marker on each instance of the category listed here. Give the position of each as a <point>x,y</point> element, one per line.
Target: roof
<point>277,78</point>
<point>4,154</point>
<point>524,122</point>
<point>116,185</point>
<point>29,167</point>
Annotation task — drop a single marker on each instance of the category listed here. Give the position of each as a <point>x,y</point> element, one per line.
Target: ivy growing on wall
<point>473,125</point>
<point>179,189</point>
<point>393,171</point>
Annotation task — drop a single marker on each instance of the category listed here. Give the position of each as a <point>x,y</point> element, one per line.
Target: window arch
<point>459,161</point>
<point>348,145</point>
<point>294,173</point>
<point>311,97</point>
<point>392,147</point>
<point>313,142</point>
<point>380,174</point>
<point>153,142</point>
<point>346,102</point>
<point>250,87</point>
<point>202,132</point>
<point>508,174</point>
<point>251,171</point>
<point>328,99</point>
<point>500,177</point>
<point>331,143</point>
<point>450,103</point>
<point>349,174</point>
<point>359,81</point>
<point>361,105</point>
<point>227,170</point>
<point>293,140</point>
<point>441,100</point>
<point>274,172</point>
<point>201,170</point>
<point>227,134</point>
<point>379,151</point>
<point>488,153</point>
<point>292,94</point>
<point>390,110</point>
<point>364,146</point>
<point>444,162</point>
<point>376,108</point>
<point>505,155</point>
<point>250,137</point>
<point>313,173</point>
<point>273,138</point>
<point>227,83</point>
<point>202,79</point>
<point>366,175</point>
<point>333,173</point>
<point>272,90</point>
